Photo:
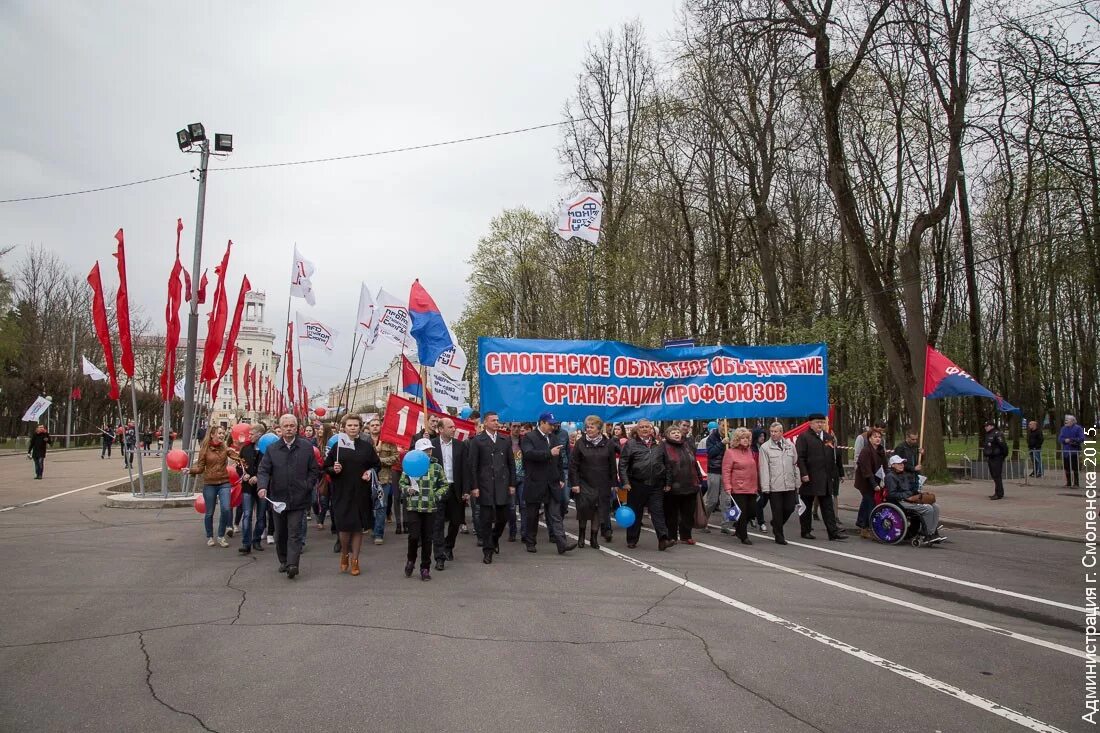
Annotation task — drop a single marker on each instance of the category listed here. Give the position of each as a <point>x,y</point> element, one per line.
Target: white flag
<point>364,323</point>
<point>91,370</point>
<point>300,284</point>
<point>452,362</point>
<point>393,318</point>
<point>801,508</point>
<point>446,391</point>
<point>580,217</point>
<point>37,408</point>
<point>181,388</point>
<point>311,332</point>
<point>344,441</point>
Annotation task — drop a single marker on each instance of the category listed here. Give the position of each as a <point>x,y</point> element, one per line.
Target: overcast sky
<point>93,94</point>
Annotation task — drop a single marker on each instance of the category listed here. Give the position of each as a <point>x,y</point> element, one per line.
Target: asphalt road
<point>123,620</point>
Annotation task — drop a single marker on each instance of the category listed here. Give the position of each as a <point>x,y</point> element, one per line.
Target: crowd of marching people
<point>510,480</point>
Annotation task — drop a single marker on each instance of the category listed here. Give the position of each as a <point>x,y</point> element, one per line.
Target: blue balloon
<point>624,515</point>
<point>465,412</point>
<point>712,425</point>
<point>415,463</point>
<point>332,441</point>
<point>265,440</point>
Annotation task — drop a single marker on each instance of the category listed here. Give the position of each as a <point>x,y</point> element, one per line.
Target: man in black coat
<point>995,450</point>
<point>451,454</point>
<point>543,462</point>
<point>288,472</point>
<point>642,468</point>
<point>820,465</point>
<point>492,477</point>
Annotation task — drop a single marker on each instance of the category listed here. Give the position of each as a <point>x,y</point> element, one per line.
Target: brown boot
<point>344,562</point>
<point>866,534</point>
<point>355,566</point>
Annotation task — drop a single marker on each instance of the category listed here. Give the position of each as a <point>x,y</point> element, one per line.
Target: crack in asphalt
<point>153,692</point>
<point>242,591</point>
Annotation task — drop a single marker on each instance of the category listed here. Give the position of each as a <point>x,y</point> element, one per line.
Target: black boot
<point>580,533</point>
<point>593,539</point>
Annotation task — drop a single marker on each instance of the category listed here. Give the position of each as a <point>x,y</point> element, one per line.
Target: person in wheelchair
<point>902,489</point>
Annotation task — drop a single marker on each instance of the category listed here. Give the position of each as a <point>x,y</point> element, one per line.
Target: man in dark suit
<point>492,482</point>
<point>819,464</point>
<point>542,484</point>
<point>451,454</point>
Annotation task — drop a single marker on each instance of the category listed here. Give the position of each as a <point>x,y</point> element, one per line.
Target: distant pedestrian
<point>820,465</point>
<point>869,474</point>
<point>593,474</point>
<point>212,462</point>
<point>1035,439</point>
<point>107,439</point>
<point>493,483</point>
<point>451,454</point>
<point>642,468</point>
<point>543,457</point>
<point>253,520</point>
<point>1070,439</point>
<point>351,470</point>
<point>288,473</point>
<point>741,480</point>
<point>995,450</point>
<point>716,449</point>
<point>129,445</point>
<point>422,497</point>
<point>37,449</point>
<point>779,478</point>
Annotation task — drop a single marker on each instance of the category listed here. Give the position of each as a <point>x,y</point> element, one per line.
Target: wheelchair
<point>892,524</point>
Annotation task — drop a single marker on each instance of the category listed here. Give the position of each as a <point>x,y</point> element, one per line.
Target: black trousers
<point>679,514</point>
<point>288,535</point>
<point>448,517</point>
<point>747,504</point>
<point>996,472</point>
<point>493,522</point>
<point>783,506</point>
<point>641,498</point>
<point>828,514</point>
<point>1071,463</point>
<point>421,527</point>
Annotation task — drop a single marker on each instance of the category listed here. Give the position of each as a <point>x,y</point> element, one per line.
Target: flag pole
<point>358,378</point>
<point>356,339</point>
<point>923,405</point>
<point>282,385</point>
<point>424,396</point>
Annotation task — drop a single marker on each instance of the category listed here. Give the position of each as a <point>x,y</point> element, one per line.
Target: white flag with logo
<point>344,441</point>
<point>445,391</point>
<point>314,334</point>
<point>36,410</point>
<point>181,388</point>
<point>91,370</point>
<point>452,362</point>
<point>393,318</point>
<point>300,273</point>
<point>364,322</point>
<point>580,217</point>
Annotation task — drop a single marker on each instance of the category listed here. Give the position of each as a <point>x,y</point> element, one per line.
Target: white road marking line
<point>881,662</point>
<point>898,602</point>
<point>66,493</point>
<point>925,573</point>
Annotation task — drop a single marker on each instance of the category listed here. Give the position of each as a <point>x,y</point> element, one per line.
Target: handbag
<point>924,497</point>
<point>700,513</point>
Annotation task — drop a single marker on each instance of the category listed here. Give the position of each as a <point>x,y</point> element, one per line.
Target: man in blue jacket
<point>1070,439</point>
<point>288,472</point>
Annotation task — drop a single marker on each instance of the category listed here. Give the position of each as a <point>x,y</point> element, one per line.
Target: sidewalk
<point>1042,508</point>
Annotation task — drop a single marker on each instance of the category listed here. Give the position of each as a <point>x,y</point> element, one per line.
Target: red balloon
<point>235,497</point>
<point>176,459</point>
<point>240,432</point>
<point>200,504</point>
<point>319,411</point>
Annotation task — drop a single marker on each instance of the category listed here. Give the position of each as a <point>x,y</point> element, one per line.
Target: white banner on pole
<point>445,391</point>
<point>37,409</point>
<point>301,286</point>
<point>393,319</point>
<point>580,217</point>
<point>91,370</point>
<point>364,322</point>
<point>311,332</point>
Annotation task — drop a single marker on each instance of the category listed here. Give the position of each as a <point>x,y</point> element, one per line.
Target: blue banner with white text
<point>521,378</point>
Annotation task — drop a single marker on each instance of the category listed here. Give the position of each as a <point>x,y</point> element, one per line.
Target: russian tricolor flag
<point>428,327</point>
<point>943,378</point>
<point>411,384</point>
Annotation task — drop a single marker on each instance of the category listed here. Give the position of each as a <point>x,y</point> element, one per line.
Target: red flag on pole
<point>122,304</point>
<point>186,277</point>
<point>99,318</point>
<point>290,361</point>
<point>202,288</point>
<point>75,394</point>
<point>234,329</point>
<point>172,321</point>
<point>215,322</point>
<point>236,400</point>
<point>247,401</point>
<point>301,393</point>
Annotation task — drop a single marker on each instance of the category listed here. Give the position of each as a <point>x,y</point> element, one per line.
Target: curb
<point>127,501</point>
<point>967,524</point>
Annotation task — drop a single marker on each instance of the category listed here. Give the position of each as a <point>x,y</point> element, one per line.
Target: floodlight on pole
<point>183,137</point>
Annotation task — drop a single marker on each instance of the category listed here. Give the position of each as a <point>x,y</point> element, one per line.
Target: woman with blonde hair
<point>740,479</point>
<point>212,462</point>
<point>592,473</point>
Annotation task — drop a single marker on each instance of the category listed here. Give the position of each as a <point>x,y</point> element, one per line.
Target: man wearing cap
<point>820,466</point>
<point>901,489</point>
<point>995,449</point>
<point>492,483</point>
<point>451,454</point>
<point>542,484</point>
<point>1070,439</point>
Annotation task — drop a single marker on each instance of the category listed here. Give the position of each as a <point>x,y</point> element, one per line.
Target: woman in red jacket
<point>741,480</point>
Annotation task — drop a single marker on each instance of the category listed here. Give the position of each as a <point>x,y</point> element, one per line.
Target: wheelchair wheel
<point>889,523</point>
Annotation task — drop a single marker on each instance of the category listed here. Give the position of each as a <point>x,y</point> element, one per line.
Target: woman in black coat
<point>592,474</point>
<point>351,497</point>
<point>682,479</point>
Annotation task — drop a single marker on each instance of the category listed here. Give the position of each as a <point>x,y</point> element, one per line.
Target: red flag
<point>301,393</point>
<point>234,329</point>
<point>215,322</point>
<point>289,361</point>
<point>76,394</point>
<point>202,288</point>
<point>247,402</point>
<point>236,400</point>
<point>257,405</point>
<point>99,318</point>
<point>186,277</point>
<point>122,305</point>
<point>172,321</point>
